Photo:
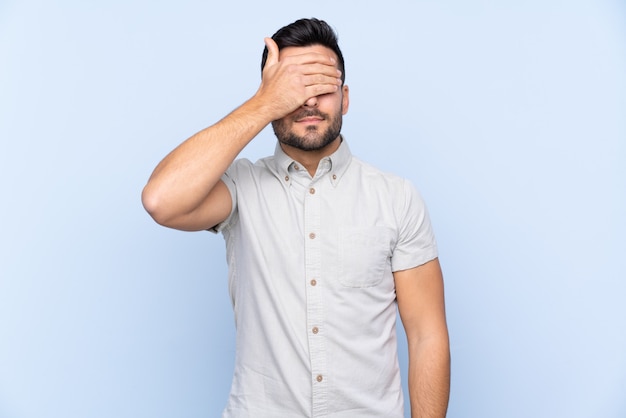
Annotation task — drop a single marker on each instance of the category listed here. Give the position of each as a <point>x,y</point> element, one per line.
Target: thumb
<point>272,52</point>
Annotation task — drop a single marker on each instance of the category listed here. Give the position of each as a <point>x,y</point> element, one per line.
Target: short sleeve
<point>228,179</point>
<point>416,243</point>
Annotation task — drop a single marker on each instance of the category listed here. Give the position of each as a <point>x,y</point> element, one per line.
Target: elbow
<point>153,204</point>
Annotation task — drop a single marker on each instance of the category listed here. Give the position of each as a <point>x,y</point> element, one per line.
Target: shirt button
<point>286,178</point>
<point>312,190</point>
<point>334,176</point>
<point>319,378</point>
<point>315,330</point>
<point>313,282</point>
<point>296,167</point>
<point>312,235</point>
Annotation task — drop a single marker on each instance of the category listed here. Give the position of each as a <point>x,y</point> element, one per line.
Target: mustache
<point>307,113</point>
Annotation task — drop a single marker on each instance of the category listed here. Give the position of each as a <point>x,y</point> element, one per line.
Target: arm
<point>185,191</point>
<point>421,305</point>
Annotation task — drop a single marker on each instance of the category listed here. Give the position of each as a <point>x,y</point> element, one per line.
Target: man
<point>321,248</point>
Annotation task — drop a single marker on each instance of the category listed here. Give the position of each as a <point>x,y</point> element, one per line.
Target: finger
<point>314,79</point>
<point>272,52</point>
<point>312,58</point>
<point>322,69</point>
<point>320,89</point>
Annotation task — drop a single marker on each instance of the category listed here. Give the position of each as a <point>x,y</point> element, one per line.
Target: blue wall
<point>510,118</point>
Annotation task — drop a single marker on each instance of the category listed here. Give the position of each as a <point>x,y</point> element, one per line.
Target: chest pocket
<point>364,255</point>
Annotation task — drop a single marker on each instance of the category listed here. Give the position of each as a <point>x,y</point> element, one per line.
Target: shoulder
<point>251,178</point>
<point>381,178</point>
<point>243,166</point>
<point>402,196</point>
<point>369,169</point>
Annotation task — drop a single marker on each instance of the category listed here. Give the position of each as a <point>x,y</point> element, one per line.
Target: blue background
<point>510,117</point>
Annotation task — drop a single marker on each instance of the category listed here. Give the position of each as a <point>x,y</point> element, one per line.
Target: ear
<point>345,99</point>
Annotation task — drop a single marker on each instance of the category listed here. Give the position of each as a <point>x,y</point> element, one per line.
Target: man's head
<point>306,32</point>
<point>317,123</point>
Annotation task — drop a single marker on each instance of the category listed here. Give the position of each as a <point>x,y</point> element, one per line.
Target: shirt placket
<point>315,308</point>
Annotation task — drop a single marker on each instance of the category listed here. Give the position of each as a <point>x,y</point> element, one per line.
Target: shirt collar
<point>339,161</point>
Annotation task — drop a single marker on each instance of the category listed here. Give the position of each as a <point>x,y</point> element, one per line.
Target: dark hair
<point>305,32</point>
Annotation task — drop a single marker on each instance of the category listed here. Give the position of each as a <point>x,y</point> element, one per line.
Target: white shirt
<point>310,276</point>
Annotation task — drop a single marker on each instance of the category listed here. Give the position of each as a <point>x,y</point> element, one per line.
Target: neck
<point>311,159</point>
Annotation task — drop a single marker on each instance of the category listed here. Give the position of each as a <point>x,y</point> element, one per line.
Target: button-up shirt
<point>310,276</point>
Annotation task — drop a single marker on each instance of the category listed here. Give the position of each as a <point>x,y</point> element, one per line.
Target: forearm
<point>184,178</point>
<point>182,190</point>
<point>429,377</point>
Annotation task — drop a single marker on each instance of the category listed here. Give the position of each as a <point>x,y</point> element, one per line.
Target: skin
<point>420,296</point>
<point>322,110</point>
<point>301,93</point>
<point>185,191</point>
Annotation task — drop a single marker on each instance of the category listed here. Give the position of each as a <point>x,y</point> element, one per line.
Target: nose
<point>311,102</point>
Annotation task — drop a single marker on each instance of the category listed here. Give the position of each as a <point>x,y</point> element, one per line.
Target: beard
<point>313,139</point>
